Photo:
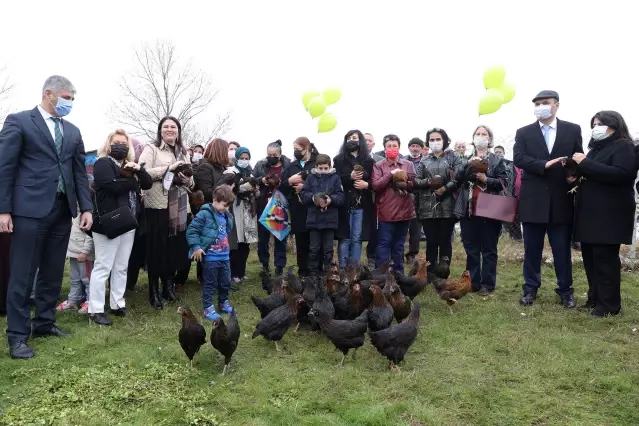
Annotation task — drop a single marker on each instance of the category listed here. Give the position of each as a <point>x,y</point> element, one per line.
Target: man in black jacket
<point>545,204</point>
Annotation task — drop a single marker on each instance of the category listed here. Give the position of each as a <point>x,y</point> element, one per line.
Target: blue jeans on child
<point>350,249</point>
<point>217,278</point>
<point>80,276</point>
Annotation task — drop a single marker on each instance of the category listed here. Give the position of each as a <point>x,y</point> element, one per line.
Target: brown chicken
<point>275,325</point>
<point>352,304</point>
<point>380,312</point>
<point>394,342</point>
<point>224,338</point>
<point>344,334</point>
<point>412,286</point>
<point>192,335</point>
<point>196,200</point>
<point>452,290</point>
<point>435,182</point>
<point>478,165</point>
<point>399,302</point>
<point>400,182</point>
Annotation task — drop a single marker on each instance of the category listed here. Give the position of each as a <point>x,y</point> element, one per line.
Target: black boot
<point>279,271</point>
<point>168,291</point>
<point>154,293</point>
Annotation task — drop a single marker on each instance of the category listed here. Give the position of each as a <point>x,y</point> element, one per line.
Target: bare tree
<point>202,134</point>
<point>5,88</point>
<point>160,85</point>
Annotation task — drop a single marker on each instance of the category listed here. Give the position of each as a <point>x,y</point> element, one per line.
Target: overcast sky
<point>403,68</point>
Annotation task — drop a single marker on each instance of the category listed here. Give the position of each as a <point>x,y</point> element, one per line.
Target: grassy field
<point>492,363</point>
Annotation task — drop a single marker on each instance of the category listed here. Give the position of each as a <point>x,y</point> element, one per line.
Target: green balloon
<point>494,77</point>
<point>508,91</point>
<point>308,96</point>
<point>490,102</point>
<point>326,123</point>
<point>316,107</point>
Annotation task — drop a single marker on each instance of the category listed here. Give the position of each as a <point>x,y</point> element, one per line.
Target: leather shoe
<point>21,350</point>
<point>120,312</point>
<point>53,331</point>
<point>100,319</point>
<point>568,301</point>
<point>527,299</point>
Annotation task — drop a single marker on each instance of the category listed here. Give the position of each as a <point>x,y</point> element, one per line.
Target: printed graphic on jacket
<point>220,248</point>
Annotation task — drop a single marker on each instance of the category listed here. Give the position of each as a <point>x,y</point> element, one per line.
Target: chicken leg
<point>296,327</point>
<point>191,363</point>
<point>341,364</point>
<point>450,305</point>
<point>277,347</point>
<point>354,352</point>
<point>224,370</point>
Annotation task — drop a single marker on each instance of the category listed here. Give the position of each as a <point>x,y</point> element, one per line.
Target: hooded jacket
<point>322,183</point>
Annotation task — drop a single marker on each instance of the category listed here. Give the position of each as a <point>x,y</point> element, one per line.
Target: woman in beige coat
<point>166,207</point>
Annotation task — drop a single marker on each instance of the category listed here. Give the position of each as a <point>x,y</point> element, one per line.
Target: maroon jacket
<point>391,205</point>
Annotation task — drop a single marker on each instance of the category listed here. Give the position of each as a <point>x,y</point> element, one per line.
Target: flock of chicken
<point>342,305</point>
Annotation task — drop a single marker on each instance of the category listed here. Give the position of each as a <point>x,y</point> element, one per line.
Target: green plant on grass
<point>491,363</point>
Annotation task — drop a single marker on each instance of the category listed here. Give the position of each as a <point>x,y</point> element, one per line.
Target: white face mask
<point>232,155</point>
<point>481,142</point>
<point>436,146</point>
<point>415,155</point>
<point>542,112</point>
<point>197,156</point>
<point>599,132</point>
<point>243,164</point>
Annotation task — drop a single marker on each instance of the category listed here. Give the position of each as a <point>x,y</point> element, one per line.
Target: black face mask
<point>298,154</point>
<point>352,146</point>
<point>272,160</point>
<point>119,152</point>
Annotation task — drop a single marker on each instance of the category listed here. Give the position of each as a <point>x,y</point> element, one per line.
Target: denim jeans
<point>80,277</point>
<point>390,243</point>
<point>350,249</point>
<point>217,278</point>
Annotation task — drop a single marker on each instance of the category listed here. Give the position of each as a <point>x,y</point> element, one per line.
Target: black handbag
<point>118,222</point>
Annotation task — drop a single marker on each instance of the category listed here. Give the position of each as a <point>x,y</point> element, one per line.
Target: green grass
<point>489,364</point>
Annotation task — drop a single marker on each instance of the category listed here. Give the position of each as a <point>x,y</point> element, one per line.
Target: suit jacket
<point>544,196</point>
<point>30,167</point>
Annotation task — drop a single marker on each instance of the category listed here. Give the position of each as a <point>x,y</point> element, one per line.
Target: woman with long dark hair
<point>605,208</point>
<point>291,186</point>
<point>358,212</point>
<point>166,207</point>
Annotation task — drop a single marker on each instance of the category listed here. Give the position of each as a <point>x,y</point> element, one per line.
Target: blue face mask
<point>63,107</point>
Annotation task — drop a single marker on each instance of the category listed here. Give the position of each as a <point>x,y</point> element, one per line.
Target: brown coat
<point>391,205</point>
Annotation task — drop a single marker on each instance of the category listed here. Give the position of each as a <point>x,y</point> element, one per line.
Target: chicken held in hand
<point>400,182</point>
<point>344,334</point>
<point>192,335</point>
<point>224,338</point>
<point>394,342</point>
<point>452,290</point>
<point>275,325</point>
<point>380,312</point>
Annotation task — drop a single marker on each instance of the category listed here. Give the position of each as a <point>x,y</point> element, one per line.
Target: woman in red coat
<point>393,182</point>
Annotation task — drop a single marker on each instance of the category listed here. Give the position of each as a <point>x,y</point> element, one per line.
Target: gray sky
<point>403,69</point>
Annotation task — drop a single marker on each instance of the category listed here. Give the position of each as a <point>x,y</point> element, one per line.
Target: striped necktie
<point>58,148</point>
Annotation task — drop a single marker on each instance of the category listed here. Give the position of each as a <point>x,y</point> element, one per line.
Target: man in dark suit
<point>42,181</point>
<point>545,204</point>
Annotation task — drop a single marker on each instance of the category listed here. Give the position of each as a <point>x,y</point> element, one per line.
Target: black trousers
<point>371,246</point>
<point>603,271</point>
<point>37,244</point>
<point>302,243</point>
<point>5,262</point>
<point>481,237</point>
<point>320,249</point>
<point>438,241</point>
<point>238,260</point>
<point>414,237</point>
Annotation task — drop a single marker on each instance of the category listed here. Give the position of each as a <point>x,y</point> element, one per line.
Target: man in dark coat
<point>545,203</point>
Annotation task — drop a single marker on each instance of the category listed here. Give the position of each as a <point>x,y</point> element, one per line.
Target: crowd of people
<point>162,206</point>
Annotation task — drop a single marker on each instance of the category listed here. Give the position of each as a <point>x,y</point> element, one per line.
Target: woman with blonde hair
<point>118,181</point>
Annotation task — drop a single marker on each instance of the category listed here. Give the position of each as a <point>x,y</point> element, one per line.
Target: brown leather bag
<point>499,207</point>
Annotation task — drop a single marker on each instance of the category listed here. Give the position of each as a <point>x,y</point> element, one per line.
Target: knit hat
<point>416,141</point>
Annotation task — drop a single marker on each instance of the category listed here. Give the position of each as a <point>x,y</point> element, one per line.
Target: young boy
<point>323,194</point>
<point>208,239</point>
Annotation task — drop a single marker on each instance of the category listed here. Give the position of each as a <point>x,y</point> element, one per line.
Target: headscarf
<point>238,152</point>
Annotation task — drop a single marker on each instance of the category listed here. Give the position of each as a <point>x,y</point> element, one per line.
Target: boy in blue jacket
<point>324,194</point>
<point>208,239</point>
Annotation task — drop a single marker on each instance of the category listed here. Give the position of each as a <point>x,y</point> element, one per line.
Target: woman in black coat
<point>118,181</point>
<point>605,208</point>
<point>356,215</point>
<point>291,186</point>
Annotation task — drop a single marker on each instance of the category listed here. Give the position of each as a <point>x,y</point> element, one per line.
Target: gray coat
<point>432,206</point>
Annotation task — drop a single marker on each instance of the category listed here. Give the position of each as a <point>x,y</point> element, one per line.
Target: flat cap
<point>546,94</point>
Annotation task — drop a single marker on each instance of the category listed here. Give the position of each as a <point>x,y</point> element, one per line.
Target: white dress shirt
<point>50,123</point>
<point>552,133</point>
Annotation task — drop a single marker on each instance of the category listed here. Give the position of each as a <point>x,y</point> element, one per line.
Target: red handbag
<point>498,207</point>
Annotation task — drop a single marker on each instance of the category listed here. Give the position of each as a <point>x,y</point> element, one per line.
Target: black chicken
<point>344,334</point>
<point>380,312</point>
<point>322,304</point>
<point>192,335</point>
<point>224,338</point>
<point>275,325</point>
<point>394,341</point>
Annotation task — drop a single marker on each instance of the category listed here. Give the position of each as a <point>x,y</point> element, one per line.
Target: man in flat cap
<point>545,204</point>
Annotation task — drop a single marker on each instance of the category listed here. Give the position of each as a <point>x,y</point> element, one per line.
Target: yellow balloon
<point>490,102</point>
<point>494,77</point>
<point>326,123</point>
<point>508,91</point>
<point>316,107</point>
<point>331,95</point>
<point>308,96</point>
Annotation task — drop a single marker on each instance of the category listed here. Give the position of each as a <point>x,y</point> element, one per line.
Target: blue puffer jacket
<point>331,184</point>
<point>203,230</point>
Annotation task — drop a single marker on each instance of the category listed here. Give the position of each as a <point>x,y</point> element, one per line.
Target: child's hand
<point>197,256</point>
<point>328,201</point>
<point>82,257</point>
